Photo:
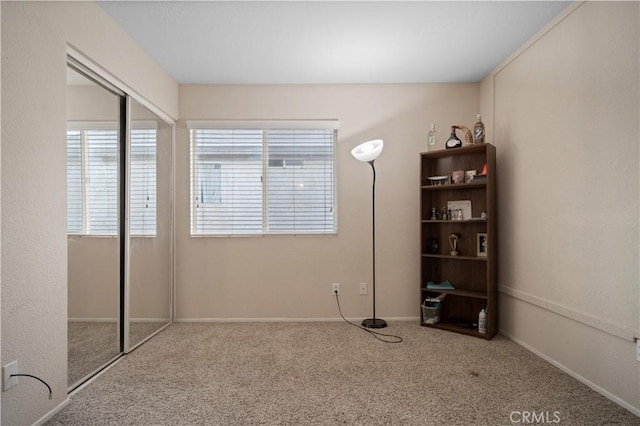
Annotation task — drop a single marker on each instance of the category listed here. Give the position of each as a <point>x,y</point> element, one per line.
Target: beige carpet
<point>91,344</point>
<point>331,374</point>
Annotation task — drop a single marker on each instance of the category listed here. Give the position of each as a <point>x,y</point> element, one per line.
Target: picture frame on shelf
<point>463,205</point>
<point>469,175</point>
<point>482,246</point>
<point>457,176</point>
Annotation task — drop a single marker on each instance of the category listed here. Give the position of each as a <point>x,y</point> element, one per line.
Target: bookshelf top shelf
<point>465,150</point>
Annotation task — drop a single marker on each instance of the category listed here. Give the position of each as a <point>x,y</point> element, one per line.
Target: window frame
<point>264,126</point>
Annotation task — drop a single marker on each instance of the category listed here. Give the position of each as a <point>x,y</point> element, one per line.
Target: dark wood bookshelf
<point>472,276</point>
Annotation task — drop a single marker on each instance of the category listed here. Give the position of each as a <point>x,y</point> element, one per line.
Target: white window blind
<point>75,179</point>
<point>142,203</point>
<point>300,182</point>
<point>92,180</point>
<point>262,181</point>
<point>101,165</point>
<point>227,181</point>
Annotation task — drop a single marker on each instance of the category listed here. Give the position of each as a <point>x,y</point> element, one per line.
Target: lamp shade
<point>368,151</point>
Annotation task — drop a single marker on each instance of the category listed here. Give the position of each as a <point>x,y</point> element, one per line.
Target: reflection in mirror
<point>150,221</point>
<point>93,115</point>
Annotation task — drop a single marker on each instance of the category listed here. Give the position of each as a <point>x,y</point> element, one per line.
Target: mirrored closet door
<point>150,224</point>
<point>119,223</point>
<point>94,176</point>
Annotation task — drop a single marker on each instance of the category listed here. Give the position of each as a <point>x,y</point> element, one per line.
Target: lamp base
<point>374,323</point>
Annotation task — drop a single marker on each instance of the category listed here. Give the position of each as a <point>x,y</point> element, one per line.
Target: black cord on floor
<point>380,336</point>
<point>37,378</point>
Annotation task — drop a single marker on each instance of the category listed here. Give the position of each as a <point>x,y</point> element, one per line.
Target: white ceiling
<point>331,41</point>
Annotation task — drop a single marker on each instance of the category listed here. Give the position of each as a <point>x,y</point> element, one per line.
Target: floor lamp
<point>368,152</point>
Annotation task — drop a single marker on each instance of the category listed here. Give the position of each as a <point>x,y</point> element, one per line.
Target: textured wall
<point>290,277</point>
<point>566,126</point>
<point>34,241</point>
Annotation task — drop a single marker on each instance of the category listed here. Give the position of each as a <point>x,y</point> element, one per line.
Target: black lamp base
<point>374,323</point>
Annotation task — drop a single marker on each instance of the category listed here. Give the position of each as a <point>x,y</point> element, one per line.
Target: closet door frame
<point>82,64</point>
<point>129,346</point>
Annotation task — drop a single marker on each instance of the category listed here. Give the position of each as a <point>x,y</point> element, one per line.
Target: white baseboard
<point>92,319</point>
<point>52,412</point>
<point>115,320</point>
<point>149,320</point>
<point>575,375</point>
<point>288,319</point>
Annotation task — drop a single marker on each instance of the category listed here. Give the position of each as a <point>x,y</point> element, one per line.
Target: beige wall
<point>34,241</point>
<point>290,277</point>
<point>566,128</point>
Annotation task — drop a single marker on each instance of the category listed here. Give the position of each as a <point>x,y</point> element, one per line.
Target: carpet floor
<point>332,374</point>
<point>91,344</point>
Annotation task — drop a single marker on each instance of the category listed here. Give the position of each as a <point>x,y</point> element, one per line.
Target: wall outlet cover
<point>7,371</point>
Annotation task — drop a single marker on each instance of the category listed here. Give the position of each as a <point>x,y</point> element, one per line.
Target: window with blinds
<point>92,181</point>
<point>262,181</point>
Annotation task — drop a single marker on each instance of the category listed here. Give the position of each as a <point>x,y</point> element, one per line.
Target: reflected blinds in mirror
<point>92,179</point>
<point>143,182</point>
<point>75,221</point>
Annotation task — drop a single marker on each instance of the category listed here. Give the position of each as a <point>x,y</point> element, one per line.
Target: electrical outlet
<point>638,349</point>
<point>335,288</point>
<point>363,289</point>
<point>7,371</point>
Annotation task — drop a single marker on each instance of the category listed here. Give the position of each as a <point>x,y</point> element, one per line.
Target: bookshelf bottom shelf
<point>450,326</point>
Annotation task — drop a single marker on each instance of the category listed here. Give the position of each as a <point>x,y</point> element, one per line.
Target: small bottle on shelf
<point>431,139</point>
<point>453,141</point>
<point>478,131</point>
<point>482,322</point>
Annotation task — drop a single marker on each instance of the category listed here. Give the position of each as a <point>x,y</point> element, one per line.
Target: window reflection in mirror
<point>92,226</point>
<point>150,224</point>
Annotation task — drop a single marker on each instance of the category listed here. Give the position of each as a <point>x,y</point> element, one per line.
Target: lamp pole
<point>373,322</point>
